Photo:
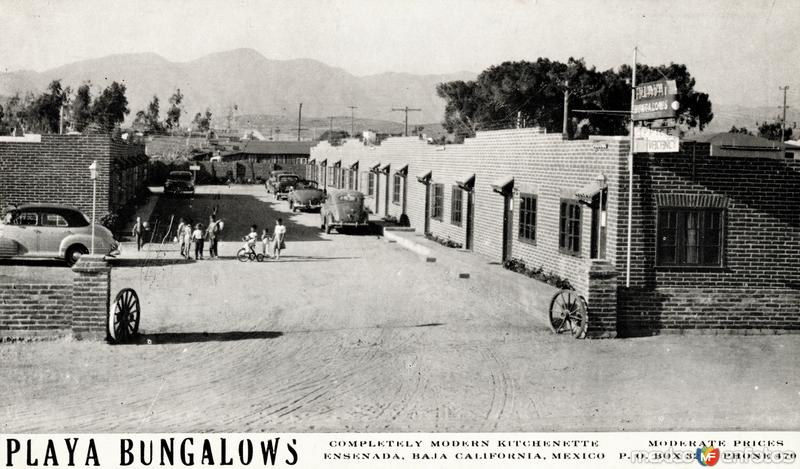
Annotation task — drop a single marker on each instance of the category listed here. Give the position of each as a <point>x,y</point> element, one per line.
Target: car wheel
<point>74,253</point>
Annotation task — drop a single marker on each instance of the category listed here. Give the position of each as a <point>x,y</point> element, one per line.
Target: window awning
<point>337,164</point>
<point>586,193</point>
<point>312,161</point>
<point>424,177</point>
<point>385,168</point>
<point>467,182</point>
<point>402,170</point>
<point>323,162</point>
<point>374,167</point>
<point>503,185</point>
<point>354,166</point>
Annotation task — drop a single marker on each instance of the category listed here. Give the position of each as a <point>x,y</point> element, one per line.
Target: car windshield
<point>305,185</point>
<point>349,197</point>
<point>181,175</point>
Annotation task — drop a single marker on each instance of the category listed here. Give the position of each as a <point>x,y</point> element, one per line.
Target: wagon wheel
<point>123,316</point>
<point>568,313</point>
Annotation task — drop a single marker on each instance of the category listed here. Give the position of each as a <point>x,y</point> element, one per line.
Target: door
<point>377,192</point>
<point>470,215</point>
<point>386,195</point>
<point>508,223</point>
<point>427,208</point>
<point>597,249</point>
<point>53,228</point>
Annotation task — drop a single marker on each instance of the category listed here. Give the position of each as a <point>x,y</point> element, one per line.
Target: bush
<point>444,241</point>
<point>538,273</point>
<point>110,220</point>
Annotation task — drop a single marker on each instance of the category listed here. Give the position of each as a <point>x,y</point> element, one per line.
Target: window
<point>569,228</point>
<point>689,237</point>
<point>438,202</point>
<point>53,219</point>
<point>455,206</point>
<point>396,189</point>
<point>26,218</point>
<point>330,176</point>
<point>371,184</point>
<point>527,218</point>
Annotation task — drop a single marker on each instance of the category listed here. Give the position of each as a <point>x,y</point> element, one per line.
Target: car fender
<point>84,239</point>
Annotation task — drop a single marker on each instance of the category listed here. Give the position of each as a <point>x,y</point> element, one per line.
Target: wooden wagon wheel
<point>568,313</point>
<point>123,316</point>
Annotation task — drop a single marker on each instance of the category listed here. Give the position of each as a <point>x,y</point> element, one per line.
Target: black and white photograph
<point>393,217</point>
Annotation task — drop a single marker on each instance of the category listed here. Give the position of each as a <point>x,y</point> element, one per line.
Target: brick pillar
<point>91,291</point>
<point>602,300</point>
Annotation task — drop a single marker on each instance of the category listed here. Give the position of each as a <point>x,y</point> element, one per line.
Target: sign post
<point>93,177</point>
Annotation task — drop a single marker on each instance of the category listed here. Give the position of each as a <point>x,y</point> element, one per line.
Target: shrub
<point>444,241</point>
<point>538,273</point>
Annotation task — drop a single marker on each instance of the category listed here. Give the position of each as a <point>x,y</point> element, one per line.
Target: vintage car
<point>343,208</point>
<point>281,184</point>
<point>306,195</point>
<point>52,232</point>
<point>178,182</point>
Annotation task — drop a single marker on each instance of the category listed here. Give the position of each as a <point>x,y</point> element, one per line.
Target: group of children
<point>186,235</point>
<point>274,243</point>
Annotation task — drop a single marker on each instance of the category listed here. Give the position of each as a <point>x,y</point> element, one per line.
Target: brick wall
<point>56,170</point>
<point>77,307</point>
<point>246,169</point>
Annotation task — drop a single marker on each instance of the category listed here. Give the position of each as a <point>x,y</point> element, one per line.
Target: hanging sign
<point>652,141</point>
<point>655,100</point>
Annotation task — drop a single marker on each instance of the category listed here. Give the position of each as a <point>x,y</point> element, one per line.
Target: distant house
<point>253,159</point>
<point>740,145</point>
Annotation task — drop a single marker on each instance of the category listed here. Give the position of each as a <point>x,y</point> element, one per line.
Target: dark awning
<point>337,164</point>
<point>312,161</point>
<point>587,192</point>
<point>424,177</point>
<point>467,182</point>
<point>323,162</point>
<point>385,169</point>
<point>503,185</point>
<point>403,170</point>
<point>374,167</point>
<point>354,166</point>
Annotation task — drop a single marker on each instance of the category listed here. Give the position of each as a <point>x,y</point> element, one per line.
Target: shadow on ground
<point>150,262</point>
<point>196,337</point>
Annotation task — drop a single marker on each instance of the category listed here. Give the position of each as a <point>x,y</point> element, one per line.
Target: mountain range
<point>274,89</point>
<point>247,79</point>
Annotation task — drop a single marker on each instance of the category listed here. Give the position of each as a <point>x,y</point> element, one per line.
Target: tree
<point>149,119</point>
<point>111,107</point>
<point>203,122</point>
<point>772,131</point>
<point>532,93</point>
<point>82,108</point>
<point>740,130</point>
<point>174,111</point>
<point>43,112</point>
<point>335,137</point>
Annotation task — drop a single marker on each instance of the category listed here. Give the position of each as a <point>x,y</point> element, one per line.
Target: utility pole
<point>299,120</point>
<point>630,176</point>
<point>783,121</point>
<point>406,110</point>
<point>566,110</point>
<point>352,120</point>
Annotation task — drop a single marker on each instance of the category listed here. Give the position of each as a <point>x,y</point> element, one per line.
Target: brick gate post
<point>602,300</point>
<point>91,291</point>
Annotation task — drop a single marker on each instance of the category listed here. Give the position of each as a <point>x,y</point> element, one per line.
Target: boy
<point>252,238</point>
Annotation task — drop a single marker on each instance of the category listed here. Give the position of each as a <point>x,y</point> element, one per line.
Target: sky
<point>739,51</point>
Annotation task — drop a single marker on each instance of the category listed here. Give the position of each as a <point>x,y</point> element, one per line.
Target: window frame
<point>533,213</point>
<point>371,184</point>
<point>456,205</point>
<point>680,243</point>
<point>437,202</point>
<point>565,239</point>
<point>397,182</point>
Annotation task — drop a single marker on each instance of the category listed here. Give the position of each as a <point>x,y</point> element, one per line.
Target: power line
<point>406,110</point>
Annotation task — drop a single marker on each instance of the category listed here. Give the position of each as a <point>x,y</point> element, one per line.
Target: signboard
<point>652,141</point>
<point>194,167</point>
<point>655,100</point>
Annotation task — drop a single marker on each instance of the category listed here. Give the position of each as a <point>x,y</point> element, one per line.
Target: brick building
<point>253,159</point>
<point>715,239</point>
<point>55,169</point>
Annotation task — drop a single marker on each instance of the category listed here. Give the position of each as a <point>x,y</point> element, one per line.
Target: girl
<point>198,238</point>
<point>187,240</point>
<point>264,241</point>
<point>277,239</point>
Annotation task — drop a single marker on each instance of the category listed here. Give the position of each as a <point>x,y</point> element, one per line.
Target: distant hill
<point>256,84</point>
<point>726,116</point>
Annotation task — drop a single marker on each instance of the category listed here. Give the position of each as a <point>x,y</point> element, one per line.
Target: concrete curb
<point>407,243</point>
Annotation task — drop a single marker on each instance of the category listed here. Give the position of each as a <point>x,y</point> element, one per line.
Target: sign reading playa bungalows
<point>655,100</point>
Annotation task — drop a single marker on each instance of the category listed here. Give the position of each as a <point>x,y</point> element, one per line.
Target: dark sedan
<point>306,195</point>
<point>343,208</point>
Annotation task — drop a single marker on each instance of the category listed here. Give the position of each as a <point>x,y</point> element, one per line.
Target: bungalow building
<point>253,160</point>
<point>715,237</point>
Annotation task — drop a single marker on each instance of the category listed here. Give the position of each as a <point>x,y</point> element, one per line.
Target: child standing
<point>187,240</point>
<point>179,236</point>
<point>277,239</point>
<point>264,241</point>
<point>198,237</point>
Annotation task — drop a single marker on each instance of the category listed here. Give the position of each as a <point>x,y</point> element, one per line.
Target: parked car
<point>343,208</point>
<point>54,232</point>
<point>272,182</point>
<point>306,195</point>
<point>178,182</point>
<point>282,184</point>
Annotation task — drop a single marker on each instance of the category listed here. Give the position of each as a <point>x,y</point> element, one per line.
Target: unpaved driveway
<point>351,333</point>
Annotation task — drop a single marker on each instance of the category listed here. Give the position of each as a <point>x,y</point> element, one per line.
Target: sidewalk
<point>469,267</point>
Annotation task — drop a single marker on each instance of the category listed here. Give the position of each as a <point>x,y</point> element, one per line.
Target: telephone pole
<point>783,121</point>
<point>566,110</point>
<point>352,120</point>
<point>299,120</point>
<point>406,110</point>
